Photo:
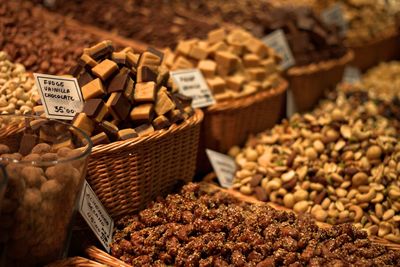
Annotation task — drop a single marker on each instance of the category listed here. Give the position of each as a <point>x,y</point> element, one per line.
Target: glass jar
<point>45,164</point>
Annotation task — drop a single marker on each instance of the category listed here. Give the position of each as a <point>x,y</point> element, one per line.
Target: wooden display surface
<point>209,186</point>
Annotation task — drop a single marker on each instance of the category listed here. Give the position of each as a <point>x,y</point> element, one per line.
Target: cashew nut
<point>361,198</point>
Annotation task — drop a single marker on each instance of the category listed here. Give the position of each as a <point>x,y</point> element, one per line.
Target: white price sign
<point>96,216</point>
<point>61,96</point>
<point>351,75</point>
<point>191,83</point>
<point>277,40</point>
<point>334,16</point>
<point>224,167</point>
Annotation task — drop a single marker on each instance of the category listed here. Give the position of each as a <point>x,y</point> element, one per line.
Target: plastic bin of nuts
<point>45,162</point>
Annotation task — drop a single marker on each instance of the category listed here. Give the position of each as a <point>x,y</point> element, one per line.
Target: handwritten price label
<point>277,40</point>
<point>224,167</point>
<point>96,216</point>
<point>61,96</point>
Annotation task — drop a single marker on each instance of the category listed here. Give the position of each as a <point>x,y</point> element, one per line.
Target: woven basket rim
<point>232,104</point>
<point>322,65</point>
<point>373,41</point>
<point>196,118</point>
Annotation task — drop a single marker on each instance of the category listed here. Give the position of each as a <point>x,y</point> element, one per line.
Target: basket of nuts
<point>244,78</point>
<point>229,232</point>
<point>145,136</point>
<point>338,163</point>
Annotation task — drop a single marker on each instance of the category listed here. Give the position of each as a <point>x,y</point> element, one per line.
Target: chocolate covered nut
<point>93,89</point>
<point>143,113</point>
<point>32,176</point>
<point>126,134</point>
<point>146,74</point>
<point>119,106</point>
<point>144,129</point>
<point>49,156</point>
<point>84,123</point>
<point>118,83</point>
<point>32,198</point>
<point>41,148</point>
<point>164,103</point>
<point>50,189</point>
<point>161,122</point>
<point>207,68</point>
<point>105,69</point>
<point>87,61</point>
<point>217,85</point>
<point>145,92</point>
<point>95,109</point>
<point>28,141</point>
<point>100,138</point>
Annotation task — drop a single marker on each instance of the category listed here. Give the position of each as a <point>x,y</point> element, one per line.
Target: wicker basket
<point>230,122</point>
<point>76,261</point>
<point>127,175</point>
<point>308,83</point>
<point>370,54</point>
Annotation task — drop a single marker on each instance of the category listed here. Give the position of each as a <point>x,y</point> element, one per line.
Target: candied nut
<point>49,157</point>
<point>32,176</point>
<point>32,198</point>
<point>4,149</point>
<point>41,148</point>
<point>374,152</point>
<point>51,189</point>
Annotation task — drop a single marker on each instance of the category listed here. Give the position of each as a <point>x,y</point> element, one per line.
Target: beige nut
<point>359,178</point>
<point>374,152</point>
<point>393,238</point>
<point>320,215</point>
<point>301,207</point>
<point>288,200</point>
<point>388,215</point>
<point>358,212</point>
<point>300,195</point>
<point>367,197</point>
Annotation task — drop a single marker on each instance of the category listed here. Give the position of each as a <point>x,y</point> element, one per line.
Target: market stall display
<point>45,163</point>
<point>217,229</point>
<point>139,126</point>
<point>338,163</point>
<point>372,29</point>
<point>243,75</point>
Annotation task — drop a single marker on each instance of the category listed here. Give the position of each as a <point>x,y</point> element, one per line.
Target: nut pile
<point>18,92</point>
<point>367,19</point>
<point>310,40</point>
<point>126,94</point>
<point>340,163</point>
<point>39,198</point>
<point>194,228</point>
<point>41,42</point>
<point>234,63</point>
<point>383,80</point>
<point>152,22</point>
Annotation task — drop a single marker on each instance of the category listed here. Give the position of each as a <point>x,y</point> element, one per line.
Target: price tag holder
<point>277,40</point>
<point>224,167</point>
<point>61,96</point>
<point>351,75</point>
<point>334,16</point>
<point>192,83</point>
<point>96,216</point>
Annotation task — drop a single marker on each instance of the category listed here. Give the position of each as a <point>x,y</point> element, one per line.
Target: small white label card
<point>277,40</point>
<point>351,75</point>
<point>224,167</point>
<point>96,216</point>
<point>61,96</point>
<point>334,16</point>
<point>192,83</point>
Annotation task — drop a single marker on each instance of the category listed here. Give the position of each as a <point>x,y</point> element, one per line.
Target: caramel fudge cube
<point>198,53</point>
<point>145,92</point>
<point>100,138</point>
<point>207,67</point>
<point>164,103</point>
<point>144,129</point>
<point>87,61</point>
<point>251,61</point>
<point>149,59</point>
<point>145,74</point>
<point>217,35</point>
<point>95,109</point>
<point>161,122</point>
<point>236,82</point>
<point>119,57</point>
<point>257,74</point>
<point>84,123</point>
<point>126,134</point>
<point>105,69</point>
<point>143,113</point>
<point>182,63</point>
<point>132,59</point>
<point>257,47</point>
<point>227,61</point>
<point>217,85</point>
<point>93,89</point>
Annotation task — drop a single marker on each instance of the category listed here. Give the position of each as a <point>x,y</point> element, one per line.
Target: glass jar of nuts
<point>45,163</point>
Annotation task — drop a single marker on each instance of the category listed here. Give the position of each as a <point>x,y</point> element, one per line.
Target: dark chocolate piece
<point>28,141</point>
<point>117,84</point>
<point>95,109</point>
<point>85,78</point>
<point>119,106</point>
<point>145,74</point>
<point>156,52</point>
<point>100,138</point>
<point>110,129</point>
<point>161,122</point>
